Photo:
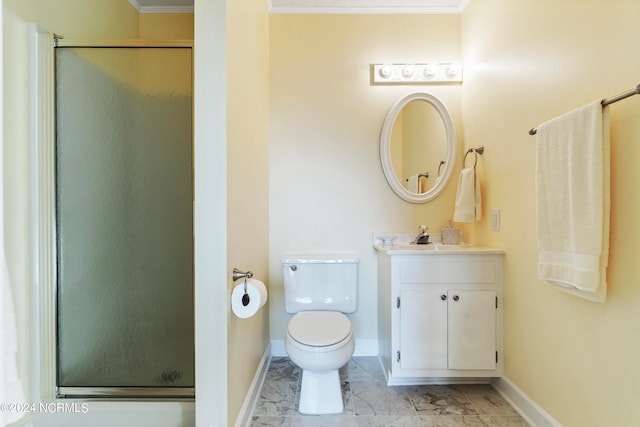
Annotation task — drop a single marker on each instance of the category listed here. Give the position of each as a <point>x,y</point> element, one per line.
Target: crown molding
<point>161,8</point>
<point>367,6</point>
<point>324,6</point>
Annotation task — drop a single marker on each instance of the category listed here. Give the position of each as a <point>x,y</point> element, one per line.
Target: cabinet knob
<point>456,297</point>
<point>443,297</point>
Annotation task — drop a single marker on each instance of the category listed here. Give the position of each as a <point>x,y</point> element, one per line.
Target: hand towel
<point>412,183</point>
<point>417,183</point>
<point>422,184</point>
<point>468,207</point>
<point>573,200</point>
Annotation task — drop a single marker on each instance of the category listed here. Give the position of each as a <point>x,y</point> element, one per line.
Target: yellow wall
<point>327,190</point>
<point>526,62</point>
<point>74,19</point>
<point>247,184</point>
<point>165,26</point>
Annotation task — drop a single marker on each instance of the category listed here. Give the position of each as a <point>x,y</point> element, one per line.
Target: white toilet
<point>319,338</point>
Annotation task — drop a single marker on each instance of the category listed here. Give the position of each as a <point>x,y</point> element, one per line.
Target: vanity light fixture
<point>427,73</point>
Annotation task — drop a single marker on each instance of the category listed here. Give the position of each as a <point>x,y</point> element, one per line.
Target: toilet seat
<point>319,328</point>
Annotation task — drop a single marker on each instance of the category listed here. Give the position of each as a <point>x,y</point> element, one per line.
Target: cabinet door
<point>423,328</point>
<point>472,329</point>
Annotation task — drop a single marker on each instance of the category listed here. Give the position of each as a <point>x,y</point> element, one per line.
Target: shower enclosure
<point>124,222</point>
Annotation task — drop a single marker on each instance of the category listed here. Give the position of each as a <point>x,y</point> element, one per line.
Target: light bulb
<point>453,70</point>
<point>430,70</point>
<point>407,71</point>
<point>385,71</point>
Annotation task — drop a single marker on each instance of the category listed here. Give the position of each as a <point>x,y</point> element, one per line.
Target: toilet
<point>319,339</point>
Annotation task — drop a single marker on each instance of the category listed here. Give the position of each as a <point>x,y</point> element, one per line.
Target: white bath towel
<point>572,206</point>
<point>468,206</point>
<point>412,183</point>
<point>417,183</point>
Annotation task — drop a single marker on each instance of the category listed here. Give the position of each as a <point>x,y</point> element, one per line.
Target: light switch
<point>495,219</point>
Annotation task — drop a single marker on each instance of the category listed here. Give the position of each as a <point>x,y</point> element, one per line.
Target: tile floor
<point>369,402</point>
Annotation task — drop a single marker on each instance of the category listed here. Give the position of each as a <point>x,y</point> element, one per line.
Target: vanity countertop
<point>436,249</point>
<point>401,245</point>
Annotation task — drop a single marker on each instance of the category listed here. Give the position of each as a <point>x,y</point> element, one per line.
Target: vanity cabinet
<point>440,316</point>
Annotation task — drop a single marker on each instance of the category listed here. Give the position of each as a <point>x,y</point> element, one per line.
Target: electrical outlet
<point>495,219</point>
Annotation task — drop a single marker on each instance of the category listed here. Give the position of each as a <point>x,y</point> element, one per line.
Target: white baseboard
<point>521,402</point>
<point>277,348</point>
<point>246,411</point>
<point>364,347</point>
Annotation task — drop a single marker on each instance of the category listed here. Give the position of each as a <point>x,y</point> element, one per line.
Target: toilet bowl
<point>318,289</point>
<point>320,343</point>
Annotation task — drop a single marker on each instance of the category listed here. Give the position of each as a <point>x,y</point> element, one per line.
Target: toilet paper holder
<point>239,274</point>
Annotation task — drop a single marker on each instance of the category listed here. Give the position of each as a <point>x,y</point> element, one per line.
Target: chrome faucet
<point>422,238</point>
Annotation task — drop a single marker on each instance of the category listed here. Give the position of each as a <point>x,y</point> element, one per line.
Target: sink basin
<point>427,248</point>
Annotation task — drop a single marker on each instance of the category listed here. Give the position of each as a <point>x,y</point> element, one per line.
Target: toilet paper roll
<point>246,306</point>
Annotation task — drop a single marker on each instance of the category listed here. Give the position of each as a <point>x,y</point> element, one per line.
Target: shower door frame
<point>44,272</point>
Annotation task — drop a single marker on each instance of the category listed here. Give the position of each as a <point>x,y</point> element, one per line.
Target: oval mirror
<point>418,147</point>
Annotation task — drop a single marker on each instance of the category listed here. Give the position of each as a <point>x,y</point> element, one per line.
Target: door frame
<point>210,212</point>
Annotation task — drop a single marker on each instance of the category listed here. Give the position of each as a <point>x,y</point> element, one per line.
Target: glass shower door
<point>125,321</point>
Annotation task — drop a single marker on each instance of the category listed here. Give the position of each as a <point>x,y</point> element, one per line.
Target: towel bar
<point>604,102</point>
<point>420,175</point>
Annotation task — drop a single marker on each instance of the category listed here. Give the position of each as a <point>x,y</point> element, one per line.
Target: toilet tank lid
<point>320,259</point>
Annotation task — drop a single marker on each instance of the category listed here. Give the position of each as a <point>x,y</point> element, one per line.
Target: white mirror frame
<point>385,148</point>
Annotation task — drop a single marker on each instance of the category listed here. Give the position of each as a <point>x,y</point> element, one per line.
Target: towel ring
<point>475,151</point>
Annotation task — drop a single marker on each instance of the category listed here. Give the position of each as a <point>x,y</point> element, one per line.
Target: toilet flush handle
<point>293,267</point>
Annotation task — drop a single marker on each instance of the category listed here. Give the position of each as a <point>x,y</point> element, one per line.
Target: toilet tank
<point>320,282</point>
